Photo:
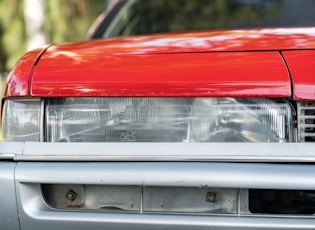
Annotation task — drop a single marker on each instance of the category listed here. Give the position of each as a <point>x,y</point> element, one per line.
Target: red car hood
<point>236,63</point>
<point>207,41</point>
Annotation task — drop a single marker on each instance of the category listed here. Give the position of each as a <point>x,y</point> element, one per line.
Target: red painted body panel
<point>207,41</point>
<point>235,74</point>
<point>19,78</point>
<point>302,68</point>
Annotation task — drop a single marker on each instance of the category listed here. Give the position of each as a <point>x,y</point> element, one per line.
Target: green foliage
<point>12,33</point>
<point>65,21</point>
<point>69,20</point>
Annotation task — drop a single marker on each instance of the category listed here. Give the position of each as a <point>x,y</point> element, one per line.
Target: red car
<point>184,130</point>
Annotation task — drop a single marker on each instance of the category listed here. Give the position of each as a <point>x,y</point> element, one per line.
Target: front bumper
<point>232,166</point>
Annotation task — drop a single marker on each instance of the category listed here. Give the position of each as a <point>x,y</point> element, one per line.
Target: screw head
<point>211,197</point>
<point>71,195</point>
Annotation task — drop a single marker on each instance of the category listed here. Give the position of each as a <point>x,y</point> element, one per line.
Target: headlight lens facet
<point>168,120</point>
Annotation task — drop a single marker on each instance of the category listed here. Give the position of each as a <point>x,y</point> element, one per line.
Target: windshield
<point>155,16</point>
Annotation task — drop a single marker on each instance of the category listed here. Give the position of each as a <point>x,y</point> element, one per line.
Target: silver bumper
<point>150,165</point>
<point>226,152</point>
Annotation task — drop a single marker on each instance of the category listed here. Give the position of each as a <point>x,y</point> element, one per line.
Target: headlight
<point>168,120</point>
<point>21,120</point>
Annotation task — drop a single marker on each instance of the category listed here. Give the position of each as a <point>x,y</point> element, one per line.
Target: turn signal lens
<point>21,120</point>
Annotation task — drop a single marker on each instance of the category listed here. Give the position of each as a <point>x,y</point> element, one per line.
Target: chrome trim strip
<point>186,174</point>
<point>229,152</point>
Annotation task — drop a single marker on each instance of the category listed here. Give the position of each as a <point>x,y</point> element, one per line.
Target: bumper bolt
<point>71,195</point>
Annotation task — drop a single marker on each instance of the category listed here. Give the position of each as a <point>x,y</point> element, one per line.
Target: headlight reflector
<point>168,120</point>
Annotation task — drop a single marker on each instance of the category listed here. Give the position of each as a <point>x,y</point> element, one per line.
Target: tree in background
<point>64,21</point>
<point>12,33</point>
<point>34,14</point>
<point>69,20</point>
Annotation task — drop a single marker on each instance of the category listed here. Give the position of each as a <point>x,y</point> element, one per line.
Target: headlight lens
<point>21,120</point>
<point>168,120</point>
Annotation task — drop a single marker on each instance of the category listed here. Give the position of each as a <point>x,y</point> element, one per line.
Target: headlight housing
<point>168,120</point>
<point>148,120</point>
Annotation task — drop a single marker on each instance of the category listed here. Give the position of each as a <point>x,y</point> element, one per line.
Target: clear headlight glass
<point>21,120</point>
<point>168,120</point>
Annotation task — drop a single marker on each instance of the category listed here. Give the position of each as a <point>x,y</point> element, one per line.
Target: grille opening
<point>309,121</point>
<point>175,200</point>
<point>306,121</point>
<point>267,201</point>
<point>139,199</point>
<point>309,139</point>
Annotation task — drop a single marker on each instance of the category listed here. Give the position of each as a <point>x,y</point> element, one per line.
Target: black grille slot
<point>281,201</point>
<point>306,121</point>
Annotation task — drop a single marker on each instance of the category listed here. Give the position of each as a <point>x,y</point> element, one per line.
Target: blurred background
<point>28,24</point>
